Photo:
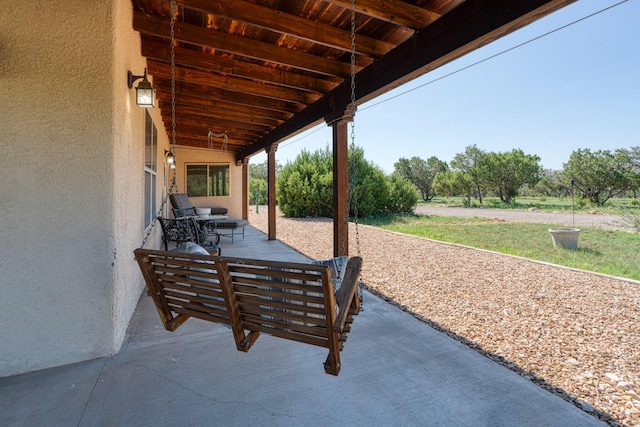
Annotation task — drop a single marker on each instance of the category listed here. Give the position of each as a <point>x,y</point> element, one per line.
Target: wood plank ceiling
<point>264,70</point>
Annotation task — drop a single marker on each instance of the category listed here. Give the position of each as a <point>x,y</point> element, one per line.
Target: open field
<point>563,218</point>
<point>601,248</point>
<point>572,332</point>
<point>546,204</point>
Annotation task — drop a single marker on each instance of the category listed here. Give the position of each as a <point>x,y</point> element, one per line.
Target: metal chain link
<point>174,8</point>
<point>351,183</point>
<point>352,193</point>
<point>173,127</point>
<point>352,197</point>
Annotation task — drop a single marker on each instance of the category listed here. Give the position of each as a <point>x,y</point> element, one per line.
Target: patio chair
<point>231,226</point>
<point>185,229</point>
<point>181,201</point>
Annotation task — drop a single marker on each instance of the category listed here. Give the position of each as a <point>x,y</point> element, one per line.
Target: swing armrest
<point>347,295</point>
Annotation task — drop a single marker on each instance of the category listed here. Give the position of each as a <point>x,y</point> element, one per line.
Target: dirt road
<point>560,218</point>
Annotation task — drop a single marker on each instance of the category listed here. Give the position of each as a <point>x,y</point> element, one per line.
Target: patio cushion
<point>338,266</point>
<point>182,201</point>
<point>231,223</point>
<point>191,248</point>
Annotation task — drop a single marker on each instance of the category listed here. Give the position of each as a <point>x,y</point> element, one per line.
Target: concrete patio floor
<point>396,371</point>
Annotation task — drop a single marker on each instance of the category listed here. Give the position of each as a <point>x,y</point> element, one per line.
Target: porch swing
<point>311,303</point>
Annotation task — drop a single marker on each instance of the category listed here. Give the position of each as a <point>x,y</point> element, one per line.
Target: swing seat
<point>294,301</point>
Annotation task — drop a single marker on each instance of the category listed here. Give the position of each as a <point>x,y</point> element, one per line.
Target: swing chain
<point>352,185</point>
<point>352,112</point>
<point>174,11</point>
<point>352,174</point>
<point>173,128</point>
<point>352,197</point>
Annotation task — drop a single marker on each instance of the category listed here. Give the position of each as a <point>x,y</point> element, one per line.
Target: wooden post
<point>271,190</point>
<point>245,188</point>
<point>340,187</point>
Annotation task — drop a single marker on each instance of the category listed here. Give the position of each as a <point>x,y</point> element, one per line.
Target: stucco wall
<point>71,194</point>
<point>128,125</point>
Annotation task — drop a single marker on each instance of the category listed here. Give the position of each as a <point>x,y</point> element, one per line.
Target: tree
<point>454,183</point>
<point>421,173</point>
<point>258,191</point>
<point>551,184</point>
<point>470,163</point>
<point>258,187</point>
<point>508,172</point>
<point>632,155</point>
<point>260,170</point>
<point>598,175</point>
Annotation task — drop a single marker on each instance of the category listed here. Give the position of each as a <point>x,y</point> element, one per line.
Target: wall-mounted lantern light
<point>144,90</point>
<point>171,158</point>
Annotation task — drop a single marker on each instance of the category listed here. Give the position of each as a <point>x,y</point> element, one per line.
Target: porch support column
<point>271,190</point>
<point>245,188</point>
<point>340,186</point>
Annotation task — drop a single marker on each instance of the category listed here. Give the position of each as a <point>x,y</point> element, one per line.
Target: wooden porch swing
<point>294,301</point>
<point>309,303</point>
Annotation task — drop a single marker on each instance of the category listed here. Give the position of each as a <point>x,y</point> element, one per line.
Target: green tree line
<point>304,187</point>
<point>594,176</point>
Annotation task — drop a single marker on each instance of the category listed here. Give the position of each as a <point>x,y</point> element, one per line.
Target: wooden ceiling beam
<point>183,88</point>
<point>221,122</point>
<point>393,11</point>
<point>185,141</point>
<point>218,64</point>
<point>218,113</point>
<point>237,45</point>
<point>209,104</point>
<point>291,25</point>
<point>467,27</point>
<point>198,130</point>
<point>234,84</point>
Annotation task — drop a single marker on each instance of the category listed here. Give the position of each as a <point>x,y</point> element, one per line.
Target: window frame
<point>150,170</point>
<point>225,182</point>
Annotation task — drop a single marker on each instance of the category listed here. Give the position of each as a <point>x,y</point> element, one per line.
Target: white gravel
<point>575,333</point>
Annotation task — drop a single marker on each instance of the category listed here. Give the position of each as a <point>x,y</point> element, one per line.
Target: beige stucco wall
<point>72,173</point>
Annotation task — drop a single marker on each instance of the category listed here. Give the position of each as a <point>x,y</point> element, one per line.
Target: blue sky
<point>576,88</point>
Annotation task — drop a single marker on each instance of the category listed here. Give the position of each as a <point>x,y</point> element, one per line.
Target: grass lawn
<point>545,204</point>
<point>604,251</point>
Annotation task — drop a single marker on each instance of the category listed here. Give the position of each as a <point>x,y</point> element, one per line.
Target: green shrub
<point>630,218</point>
<point>402,195</point>
<point>581,203</point>
<point>370,191</point>
<point>305,186</point>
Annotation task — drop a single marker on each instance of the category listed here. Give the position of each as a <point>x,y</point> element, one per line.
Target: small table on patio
<point>204,220</point>
<point>221,222</point>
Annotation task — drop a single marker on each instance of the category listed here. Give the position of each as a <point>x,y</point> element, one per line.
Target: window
<point>150,167</point>
<point>207,180</point>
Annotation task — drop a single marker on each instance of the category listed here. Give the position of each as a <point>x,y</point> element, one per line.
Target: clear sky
<point>578,87</point>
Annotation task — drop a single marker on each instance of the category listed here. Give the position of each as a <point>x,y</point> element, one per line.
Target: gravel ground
<point>572,332</point>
